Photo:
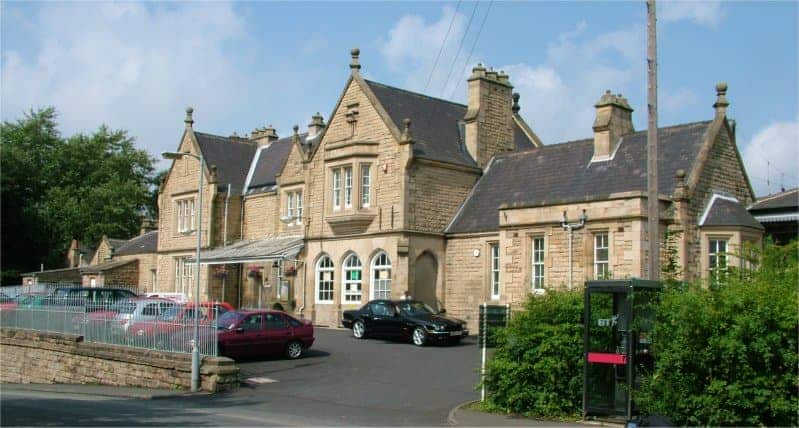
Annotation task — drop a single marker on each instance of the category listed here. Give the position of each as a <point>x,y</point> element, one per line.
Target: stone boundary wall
<point>29,356</point>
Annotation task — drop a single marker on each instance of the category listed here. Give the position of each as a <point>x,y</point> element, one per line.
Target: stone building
<point>779,214</point>
<point>456,204</point>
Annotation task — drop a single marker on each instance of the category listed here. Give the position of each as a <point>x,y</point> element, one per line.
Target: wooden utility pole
<point>652,142</point>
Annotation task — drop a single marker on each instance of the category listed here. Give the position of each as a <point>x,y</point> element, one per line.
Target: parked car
<point>7,302</point>
<point>87,299</point>
<point>404,319</point>
<point>176,318</point>
<point>258,333</point>
<point>178,297</point>
<point>115,320</point>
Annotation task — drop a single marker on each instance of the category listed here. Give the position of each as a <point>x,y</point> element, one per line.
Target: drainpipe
<point>571,227</point>
<point>227,203</point>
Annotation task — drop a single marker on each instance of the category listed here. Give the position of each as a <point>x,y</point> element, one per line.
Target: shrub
<point>537,367</point>
<point>728,356</point>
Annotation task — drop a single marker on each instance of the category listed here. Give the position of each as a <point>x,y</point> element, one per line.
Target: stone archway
<point>425,279</point>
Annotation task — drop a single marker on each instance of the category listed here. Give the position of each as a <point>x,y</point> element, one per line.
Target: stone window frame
<point>494,272</point>
<point>318,279</point>
<point>542,263</point>
<point>335,187</point>
<point>374,268</point>
<point>349,265</point>
<point>365,188</point>
<point>184,274</point>
<point>294,203</point>
<point>348,181</point>
<point>594,263</point>
<point>186,223</point>
<point>712,271</point>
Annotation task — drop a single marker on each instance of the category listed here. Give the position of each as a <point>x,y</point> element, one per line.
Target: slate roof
<point>723,211</point>
<point>563,173</point>
<point>268,162</point>
<point>102,267</point>
<point>116,243</point>
<point>231,156</point>
<point>436,124</point>
<point>142,244</point>
<point>778,201</point>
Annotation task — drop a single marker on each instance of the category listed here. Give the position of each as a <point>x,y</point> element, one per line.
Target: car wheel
<point>359,330</point>
<point>419,337</point>
<point>294,350</point>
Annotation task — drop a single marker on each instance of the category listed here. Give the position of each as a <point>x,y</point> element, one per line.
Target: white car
<point>175,297</point>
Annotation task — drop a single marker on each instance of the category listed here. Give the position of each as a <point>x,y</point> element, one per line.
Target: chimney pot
<point>264,136</point>
<point>316,126</point>
<point>516,107</point>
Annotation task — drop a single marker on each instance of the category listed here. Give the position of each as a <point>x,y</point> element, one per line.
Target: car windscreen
<point>170,314</point>
<point>228,320</point>
<point>415,309</point>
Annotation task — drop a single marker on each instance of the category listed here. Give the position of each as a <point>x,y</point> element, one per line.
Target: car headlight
<point>140,332</point>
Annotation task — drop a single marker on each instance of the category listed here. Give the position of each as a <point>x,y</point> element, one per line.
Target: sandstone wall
<point>38,357</point>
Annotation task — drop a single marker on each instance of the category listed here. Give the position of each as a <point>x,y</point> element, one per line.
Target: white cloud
<point>673,101</point>
<point>130,65</point>
<point>558,95</point>
<point>412,46</point>
<point>772,155</point>
<point>704,12</point>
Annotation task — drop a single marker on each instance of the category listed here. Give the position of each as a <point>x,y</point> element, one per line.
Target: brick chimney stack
<point>614,119</point>
<point>264,136</point>
<point>489,118</point>
<point>147,225</point>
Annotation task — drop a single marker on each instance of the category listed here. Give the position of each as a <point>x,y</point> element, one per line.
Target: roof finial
<point>406,132</point>
<point>516,107</point>
<point>189,120</point>
<point>721,99</point>
<point>355,66</point>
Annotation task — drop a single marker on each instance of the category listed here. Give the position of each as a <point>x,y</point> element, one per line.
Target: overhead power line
<point>471,51</point>
<point>443,43</point>
<point>460,46</point>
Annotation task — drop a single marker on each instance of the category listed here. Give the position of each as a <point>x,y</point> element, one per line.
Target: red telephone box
<point>618,317</point>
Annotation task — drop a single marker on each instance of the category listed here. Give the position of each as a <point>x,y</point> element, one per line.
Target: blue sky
<point>244,65</point>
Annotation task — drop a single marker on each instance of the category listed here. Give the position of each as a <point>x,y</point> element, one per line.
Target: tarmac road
<point>342,381</point>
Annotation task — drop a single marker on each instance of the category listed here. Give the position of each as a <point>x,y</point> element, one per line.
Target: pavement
<point>341,381</point>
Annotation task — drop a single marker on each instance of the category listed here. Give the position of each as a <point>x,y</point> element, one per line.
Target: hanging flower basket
<point>220,272</point>
<point>254,271</point>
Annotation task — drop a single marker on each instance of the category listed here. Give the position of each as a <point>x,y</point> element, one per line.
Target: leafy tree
<point>57,189</point>
<point>728,356</point>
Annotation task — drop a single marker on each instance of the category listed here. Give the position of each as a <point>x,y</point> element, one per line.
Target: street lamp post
<point>195,349</point>
<point>571,227</point>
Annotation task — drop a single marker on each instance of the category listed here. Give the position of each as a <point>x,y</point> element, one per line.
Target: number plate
<point>457,333</point>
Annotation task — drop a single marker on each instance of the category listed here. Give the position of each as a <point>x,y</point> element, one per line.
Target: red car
<point>263,332</point>
<point>176,318</point>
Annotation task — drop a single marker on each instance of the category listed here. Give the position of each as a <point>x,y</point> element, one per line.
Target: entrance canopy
<point>253,251</point>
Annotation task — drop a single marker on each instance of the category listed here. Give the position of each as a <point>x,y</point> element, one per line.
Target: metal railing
<point>139,323</point>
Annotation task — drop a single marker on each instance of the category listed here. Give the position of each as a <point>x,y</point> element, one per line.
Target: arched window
<point>381,276</point>
<point>324,280</point>
<point>352,279</point>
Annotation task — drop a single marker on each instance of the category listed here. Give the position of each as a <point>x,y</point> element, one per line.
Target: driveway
<point>348,381</point>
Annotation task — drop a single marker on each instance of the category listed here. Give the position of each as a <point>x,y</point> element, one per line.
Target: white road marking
<point>260,380</point>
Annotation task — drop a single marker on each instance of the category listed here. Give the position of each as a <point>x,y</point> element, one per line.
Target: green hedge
<point>537,366</point>
<point>728,356</point>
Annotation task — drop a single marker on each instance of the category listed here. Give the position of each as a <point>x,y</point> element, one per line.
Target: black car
<point>407,319</point>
